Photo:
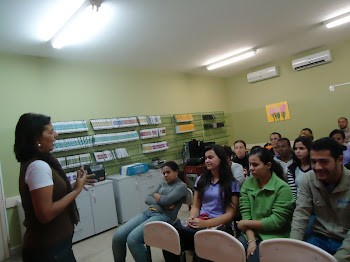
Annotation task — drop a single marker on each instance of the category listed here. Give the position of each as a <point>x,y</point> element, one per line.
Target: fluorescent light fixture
<point>84,23</point>
<point>338,20</point>
<point>231,59</point>
<point>331,88</point>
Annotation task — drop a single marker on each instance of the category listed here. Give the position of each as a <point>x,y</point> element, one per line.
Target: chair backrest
<point>218,246</point>
<point>189,197</point>
<point>291,250</point>
<point>162,235</point>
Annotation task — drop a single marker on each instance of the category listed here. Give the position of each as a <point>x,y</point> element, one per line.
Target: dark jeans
<point>187,242</point>
<point>252,258</point>
<point>62,252</point>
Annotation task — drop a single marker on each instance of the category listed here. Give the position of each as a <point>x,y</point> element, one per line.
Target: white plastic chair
<point>162,235</point>
<point>291,250</point>
<point>189,197</point>
<point>218,246</point>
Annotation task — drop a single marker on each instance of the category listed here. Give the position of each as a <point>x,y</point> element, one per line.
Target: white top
<point>38,175</point>
<point>238,173</point>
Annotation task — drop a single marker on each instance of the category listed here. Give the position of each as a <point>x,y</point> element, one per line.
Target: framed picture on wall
<point>277,112</point>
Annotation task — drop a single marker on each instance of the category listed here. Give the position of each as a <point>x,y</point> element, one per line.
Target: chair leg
<point>148,253</point>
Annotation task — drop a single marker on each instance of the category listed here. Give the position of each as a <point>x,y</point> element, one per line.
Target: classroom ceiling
<point>179,35</point>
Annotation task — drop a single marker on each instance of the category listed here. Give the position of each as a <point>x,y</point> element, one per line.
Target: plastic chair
<point>218,246</point>
<point>189,199</point>
<point>162,235</point>
<point>291,250</point>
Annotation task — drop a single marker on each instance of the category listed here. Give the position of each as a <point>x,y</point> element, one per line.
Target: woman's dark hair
<point>266,156</point>
<point>225,176</point>
<point>311,136</point>
<point>306,129</point>
<point>172,165</point>
<point>229,151</point>
<point>307,142</point>
<point>29,129</point>
<point>337,131</point>
<point>240,141</point>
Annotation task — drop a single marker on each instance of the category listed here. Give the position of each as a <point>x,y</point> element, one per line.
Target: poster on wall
<point>277,112</point>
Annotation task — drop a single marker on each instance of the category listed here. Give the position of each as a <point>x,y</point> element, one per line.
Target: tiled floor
<point>98,248</point>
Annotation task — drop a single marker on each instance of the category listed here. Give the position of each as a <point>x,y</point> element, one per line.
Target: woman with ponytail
<point>48,198</point>
<point>266,203</point>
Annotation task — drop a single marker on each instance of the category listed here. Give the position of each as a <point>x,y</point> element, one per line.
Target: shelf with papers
<point>134,150</point>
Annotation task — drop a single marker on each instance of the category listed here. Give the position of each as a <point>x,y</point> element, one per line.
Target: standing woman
<point>301,165</point>
<point>47,195</point>
<point>266,203</point>
<point>215,200</point>
<point>240,149</point>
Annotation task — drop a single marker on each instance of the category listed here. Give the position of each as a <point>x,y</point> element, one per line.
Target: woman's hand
<point>81,179</point>
<point>90,180</point>
<point>251,248</point>
<point>196,222</point>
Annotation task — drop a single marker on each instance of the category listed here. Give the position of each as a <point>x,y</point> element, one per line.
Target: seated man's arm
<point>343,253</point>
<point>303,211</point>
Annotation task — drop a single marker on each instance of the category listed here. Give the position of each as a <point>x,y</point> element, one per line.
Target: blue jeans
<point>327,244</point>
<point>132,233</point>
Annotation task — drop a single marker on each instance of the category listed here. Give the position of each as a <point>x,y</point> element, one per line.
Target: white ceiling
<point>180,35</point>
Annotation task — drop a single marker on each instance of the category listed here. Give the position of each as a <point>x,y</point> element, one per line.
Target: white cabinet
<point>130,192</point>
<point>96,209</point>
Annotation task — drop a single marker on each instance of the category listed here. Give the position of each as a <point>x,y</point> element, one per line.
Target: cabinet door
<point>85,227</point>
<point>146,186</point>
<point>127,198</point>
<point>103,207</point>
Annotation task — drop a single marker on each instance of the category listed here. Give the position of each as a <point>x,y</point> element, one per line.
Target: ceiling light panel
<point>232,59</point>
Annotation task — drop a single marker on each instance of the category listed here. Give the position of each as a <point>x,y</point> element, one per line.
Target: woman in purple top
<point>215,200</point>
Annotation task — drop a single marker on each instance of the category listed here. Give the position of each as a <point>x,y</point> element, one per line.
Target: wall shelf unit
<point>134,148</point>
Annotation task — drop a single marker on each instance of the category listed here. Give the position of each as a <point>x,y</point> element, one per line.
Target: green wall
<point>72,91</point>
<point>310,102</point>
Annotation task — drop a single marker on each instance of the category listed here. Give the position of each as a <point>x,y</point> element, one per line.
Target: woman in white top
<point>48,198</point>
<point>237,169</point>
<point>301,165</point>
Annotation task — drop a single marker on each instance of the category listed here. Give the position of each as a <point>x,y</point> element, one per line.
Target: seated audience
<point>164,204</point>
<point>325,191</point>
<point>339,136</point>
<point>285,151</point>
<point>273,140</point>
<point>240,149</point>
<point>266,203</point>
<point>307,132</point>
<point>302,146</point>
<point>237,169</point>
<point>343,125</point>
<point>215,200</point>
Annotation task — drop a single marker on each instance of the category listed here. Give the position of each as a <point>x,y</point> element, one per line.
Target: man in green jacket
<point>325,192</point>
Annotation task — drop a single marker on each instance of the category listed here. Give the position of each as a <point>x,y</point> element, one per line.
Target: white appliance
<point>263,74</point>
<point>312,60</point>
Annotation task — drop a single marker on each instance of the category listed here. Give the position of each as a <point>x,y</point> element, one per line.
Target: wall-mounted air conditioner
<point>263,74</point>
<point>312,60</point>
